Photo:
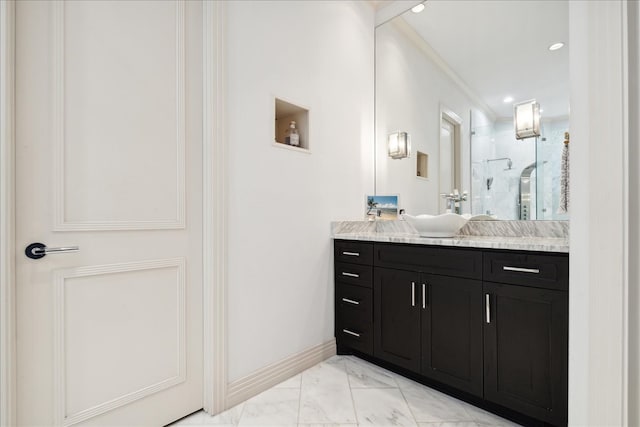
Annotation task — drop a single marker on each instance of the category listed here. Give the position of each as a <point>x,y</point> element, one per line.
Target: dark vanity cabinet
<point>526,334</point>
<point>492,324</point>
<point>354,296</point>
<point>428,312</point>
<point>452,332</point>
<point>397,321</point>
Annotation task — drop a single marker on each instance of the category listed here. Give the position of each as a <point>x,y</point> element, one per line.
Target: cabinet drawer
<point>435,260</point>
<point>354,252</point>
<point>355,337</point>
<point>354,274</point>
<point>354,302</point>
<point>521,268</point>
<point>354,317</point>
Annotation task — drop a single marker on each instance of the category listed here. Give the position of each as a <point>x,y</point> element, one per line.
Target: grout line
<point>407,402</point>
<point>353,402</point>
<point>300,396</point>
<point>244,405</point>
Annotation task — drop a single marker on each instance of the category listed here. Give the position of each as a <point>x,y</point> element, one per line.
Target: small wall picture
<point>381,207</point>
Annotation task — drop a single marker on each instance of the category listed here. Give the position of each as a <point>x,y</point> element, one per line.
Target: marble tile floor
<point>346,391</point>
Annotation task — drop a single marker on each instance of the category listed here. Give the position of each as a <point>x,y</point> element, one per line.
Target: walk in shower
<point>516,179</point>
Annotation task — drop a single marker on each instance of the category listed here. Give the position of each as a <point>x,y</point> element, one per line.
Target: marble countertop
<point>542,236</point>
<point>542,244</point>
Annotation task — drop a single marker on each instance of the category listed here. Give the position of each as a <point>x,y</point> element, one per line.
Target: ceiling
<point>500,48</point>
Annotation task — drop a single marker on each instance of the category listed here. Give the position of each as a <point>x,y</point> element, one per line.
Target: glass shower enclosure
<point>516,179</point>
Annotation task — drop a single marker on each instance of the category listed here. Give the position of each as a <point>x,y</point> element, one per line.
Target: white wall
<point>597,302</point>
<point>634,214</point>
<point>318,54</point>
<point>410,90</point>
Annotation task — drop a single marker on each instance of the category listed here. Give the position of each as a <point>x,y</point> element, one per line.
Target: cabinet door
<point>452,331</point>
<point>397,317</point>
<point>525,350</point>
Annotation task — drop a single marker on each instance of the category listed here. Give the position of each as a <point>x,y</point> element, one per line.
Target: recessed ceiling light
<point>508,99</point>
<point>418,8</point>
<point>556,46</point>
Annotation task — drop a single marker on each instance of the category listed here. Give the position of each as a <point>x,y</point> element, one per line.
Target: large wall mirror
<point>449,76</point>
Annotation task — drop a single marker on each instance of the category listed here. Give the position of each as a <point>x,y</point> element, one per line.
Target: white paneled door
<point>109,144</point>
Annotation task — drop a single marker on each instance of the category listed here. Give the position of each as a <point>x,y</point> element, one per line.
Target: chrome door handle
<point>521,270</point>
<point>351,301</point>
<point>424,295</point>
<point>487,306</point>
<point>39,250</point>
<point>350,274</point>
<point>351,253</point>
<point>413,294</point>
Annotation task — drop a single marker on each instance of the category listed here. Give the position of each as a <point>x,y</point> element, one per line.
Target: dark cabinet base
<point>526,349</point>
<point>501,411</point>
<point>489,327</point>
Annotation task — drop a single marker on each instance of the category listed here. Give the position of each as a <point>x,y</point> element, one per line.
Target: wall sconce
<point>526,119</point>
<point>399,145</point>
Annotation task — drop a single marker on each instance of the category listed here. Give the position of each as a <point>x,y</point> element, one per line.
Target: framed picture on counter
<point>381,207</point>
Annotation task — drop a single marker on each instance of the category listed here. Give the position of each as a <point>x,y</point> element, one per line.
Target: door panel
<point>104,57</point>
<point>98,334</point>
<point>397,317</point>
<point>109,113</point>
<point>525,345</point>
<point>452,332</point>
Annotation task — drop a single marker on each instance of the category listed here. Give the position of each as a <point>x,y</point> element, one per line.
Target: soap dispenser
<point>292,137</point>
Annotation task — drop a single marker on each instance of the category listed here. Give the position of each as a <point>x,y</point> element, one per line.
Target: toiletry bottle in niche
<point>292,137</point>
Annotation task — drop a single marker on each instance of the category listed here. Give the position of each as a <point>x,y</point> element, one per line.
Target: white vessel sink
<point>445,225</point>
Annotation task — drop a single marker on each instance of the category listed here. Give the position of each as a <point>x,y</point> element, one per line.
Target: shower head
<point>509,164</point>
<point>508,159</point>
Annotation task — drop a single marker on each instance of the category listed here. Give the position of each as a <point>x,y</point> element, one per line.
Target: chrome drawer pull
<point>487,306</point>
<point>350,274</point>
<point>413,294</point>
<point>346,331</point>
<point>350,301</point>
<point>351,253</point>
<point>424,296</point>
<point>521,270</point>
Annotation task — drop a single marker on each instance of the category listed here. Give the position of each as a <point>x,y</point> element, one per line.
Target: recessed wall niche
<point>422,169</point>
<point>285,113</point>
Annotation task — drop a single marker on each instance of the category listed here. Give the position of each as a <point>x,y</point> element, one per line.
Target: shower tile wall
<point>495,187</point>
<point>481,148</point>
<point>550,150</point>
<point>499,187</point>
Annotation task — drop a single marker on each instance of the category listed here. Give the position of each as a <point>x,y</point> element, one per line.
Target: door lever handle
<point>39,250</point>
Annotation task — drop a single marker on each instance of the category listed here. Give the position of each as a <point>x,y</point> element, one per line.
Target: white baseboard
<point>240,390</point>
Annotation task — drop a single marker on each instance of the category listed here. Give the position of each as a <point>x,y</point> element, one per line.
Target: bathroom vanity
<point>489,326</point>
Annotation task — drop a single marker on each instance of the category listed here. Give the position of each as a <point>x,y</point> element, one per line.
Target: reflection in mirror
<point>449,150</point>
<point>450,76</point>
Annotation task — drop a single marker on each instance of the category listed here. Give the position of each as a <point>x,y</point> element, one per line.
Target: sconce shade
<point>526,117</point>
<point>399,145</point>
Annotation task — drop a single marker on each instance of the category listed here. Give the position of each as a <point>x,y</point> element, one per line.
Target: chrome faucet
<point>454,199</point>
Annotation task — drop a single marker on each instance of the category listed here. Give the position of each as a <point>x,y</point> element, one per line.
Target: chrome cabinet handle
<point>487,307</point>
<point>350,301</point>
<point>346,331</point>
<point>350,274</point>
<point>39,250</point>
<point>413,294</point>
<point>424,296</point>
<point>351,253</point>
<point>521,270</point>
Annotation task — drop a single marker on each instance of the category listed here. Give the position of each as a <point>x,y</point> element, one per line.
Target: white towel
<point>564,181</point>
